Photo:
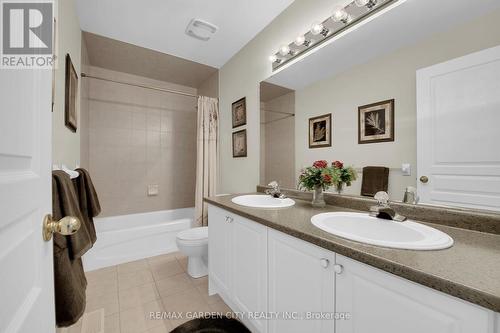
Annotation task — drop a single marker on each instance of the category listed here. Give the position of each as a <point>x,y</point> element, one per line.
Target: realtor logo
<point>27,34</point>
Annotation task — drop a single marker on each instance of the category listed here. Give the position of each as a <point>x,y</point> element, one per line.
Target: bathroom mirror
<point>380,92</point>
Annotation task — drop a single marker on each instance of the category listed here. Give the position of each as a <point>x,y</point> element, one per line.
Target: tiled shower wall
<point>140,137</point>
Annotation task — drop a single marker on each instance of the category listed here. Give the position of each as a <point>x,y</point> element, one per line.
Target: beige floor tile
<point>139,319</point>
<point>202,287</point>
<point>184,263</point>
<point>162,258</point>
<point>164,269</point>
<point>159,329</point>
<point>221,307</point>
<point>185,301</point>
<point>102,275</point>
<point>133,266</point>
<point>180,255</point>
<point>174,284</point>
<point>134,279</point>
<point>130,298</point>
<point>112,323</point>
<point>110,306</point>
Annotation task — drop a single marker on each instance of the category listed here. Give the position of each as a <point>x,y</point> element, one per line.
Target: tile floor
<point>127,293</point>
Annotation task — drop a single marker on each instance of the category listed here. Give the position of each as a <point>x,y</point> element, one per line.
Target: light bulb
<point>316,28</point>
<point>361,3</point>
<point>284,50</point>
<point>367,3</point>
<point>299,41</point>
<point>339,15</point>
<point>273,58</point>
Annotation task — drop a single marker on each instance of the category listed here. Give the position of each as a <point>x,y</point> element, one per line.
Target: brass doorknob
<point>424,179</point>
<point>66,226</point>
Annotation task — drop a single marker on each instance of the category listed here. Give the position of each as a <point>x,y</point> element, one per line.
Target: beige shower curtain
<point>206,162</point>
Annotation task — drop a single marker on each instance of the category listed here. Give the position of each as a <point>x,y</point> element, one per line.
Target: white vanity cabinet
<point>382,302</point>
<point>237,264</point>
<point>301,283</point>
<point>258,270</point>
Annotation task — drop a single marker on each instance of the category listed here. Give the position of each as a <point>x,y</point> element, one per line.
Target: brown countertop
<point>469,270</point>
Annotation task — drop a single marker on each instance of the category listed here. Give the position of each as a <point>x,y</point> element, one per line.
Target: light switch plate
<point>406,169</point>
<point>153,190</point>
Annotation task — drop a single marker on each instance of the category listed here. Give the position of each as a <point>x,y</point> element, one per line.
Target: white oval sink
<point>364,228</point>
<point>262,201</point>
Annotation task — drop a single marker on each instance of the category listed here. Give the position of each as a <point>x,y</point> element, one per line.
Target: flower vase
<point>339,188</point>
<point>318,197</point>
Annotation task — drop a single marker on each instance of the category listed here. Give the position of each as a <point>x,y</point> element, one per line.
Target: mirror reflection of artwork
<point>240,143</point>
<point>239,109</point>
<point>376,122</point>
<point>320,131</point>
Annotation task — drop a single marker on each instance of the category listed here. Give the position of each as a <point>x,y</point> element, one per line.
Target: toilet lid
<point>193,234</point>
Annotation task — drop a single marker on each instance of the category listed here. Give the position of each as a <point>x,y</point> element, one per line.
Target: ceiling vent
<point>201,30</point>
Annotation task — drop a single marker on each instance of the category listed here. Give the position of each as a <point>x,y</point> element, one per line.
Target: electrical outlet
<point>153,190</point>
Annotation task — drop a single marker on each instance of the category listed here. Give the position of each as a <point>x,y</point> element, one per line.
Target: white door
<point>458,135</point>
<point>382,302</point>
<point>301,282</point>
<point>219,251</point>
<point>26,272</point>
<point>249,268</point>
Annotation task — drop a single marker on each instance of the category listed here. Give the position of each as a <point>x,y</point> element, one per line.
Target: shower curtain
<point>206,161</point>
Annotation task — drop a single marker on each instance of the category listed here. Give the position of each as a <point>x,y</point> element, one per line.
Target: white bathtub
<point>131,237</point>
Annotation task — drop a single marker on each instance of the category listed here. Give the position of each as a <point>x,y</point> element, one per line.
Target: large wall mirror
<point>408,106</point>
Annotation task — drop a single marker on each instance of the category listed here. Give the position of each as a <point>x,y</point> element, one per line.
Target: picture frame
<point>70,96</point>
<point>320,131</point>
<point>376,122</point>
<point>240,143</point>
<point>239,112</point>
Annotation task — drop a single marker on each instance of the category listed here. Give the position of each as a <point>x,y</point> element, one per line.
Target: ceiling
<point>269,91</point>
<point>123,57</point>
<point>402,26</point>
<point>160,24</point>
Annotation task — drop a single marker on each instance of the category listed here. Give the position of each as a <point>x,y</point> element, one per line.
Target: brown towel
<point>69,277</point>
<point>375,179</point>
<point>88,200</point>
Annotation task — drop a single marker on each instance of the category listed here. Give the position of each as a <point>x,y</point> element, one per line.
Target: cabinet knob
<point>338,268</point>
<point>324,262</point>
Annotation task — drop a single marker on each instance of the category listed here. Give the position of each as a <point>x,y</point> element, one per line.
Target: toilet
<point>194,244</point>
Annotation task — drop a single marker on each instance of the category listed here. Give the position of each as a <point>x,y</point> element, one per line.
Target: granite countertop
<point>469,270</point>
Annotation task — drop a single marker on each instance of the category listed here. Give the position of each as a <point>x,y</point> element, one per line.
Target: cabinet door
<point>381,302</point>
<point>249,269</point>
<point>301,282</point>
<point>219,249</point>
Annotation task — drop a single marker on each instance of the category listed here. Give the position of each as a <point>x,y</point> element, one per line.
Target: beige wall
<point>140,137</point>
<point>65,143</point>
<point>391,76</point>
<point>84,109</point>
<point>278,141</point>
<point>241,76</point>
<point>210,87</point>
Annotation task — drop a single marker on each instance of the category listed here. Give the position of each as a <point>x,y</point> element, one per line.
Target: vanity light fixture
<point>342,20</point>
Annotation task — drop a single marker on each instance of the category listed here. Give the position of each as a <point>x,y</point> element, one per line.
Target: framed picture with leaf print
<point>376,122</point>
<point>320,131</point>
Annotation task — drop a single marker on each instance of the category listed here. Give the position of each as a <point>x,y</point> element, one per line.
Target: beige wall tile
<point>139,137</point>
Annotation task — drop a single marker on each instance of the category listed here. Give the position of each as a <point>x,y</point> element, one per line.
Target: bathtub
<point>131,237</point>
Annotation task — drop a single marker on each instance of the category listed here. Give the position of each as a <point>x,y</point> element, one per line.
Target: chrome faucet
<point>383,211</point>
<point>275,190</point>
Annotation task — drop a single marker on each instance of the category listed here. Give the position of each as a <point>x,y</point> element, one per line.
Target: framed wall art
<point>239,111</point>
<point>376,122</point>
<point>70,96</point>
<point>320,131</point>
<point>240,143</point>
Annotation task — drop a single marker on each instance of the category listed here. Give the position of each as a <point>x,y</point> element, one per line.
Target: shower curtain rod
<point>140,85</point>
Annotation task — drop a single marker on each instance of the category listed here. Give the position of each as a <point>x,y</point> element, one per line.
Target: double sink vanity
<point>285,266</point>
